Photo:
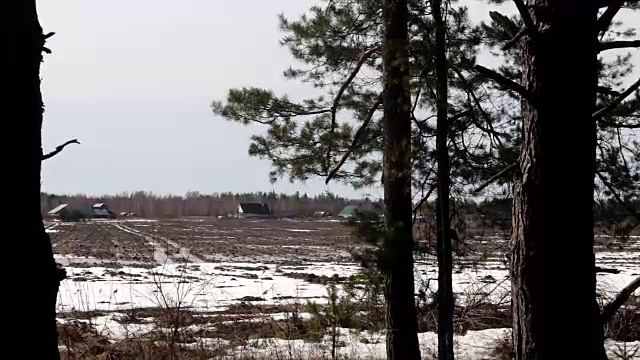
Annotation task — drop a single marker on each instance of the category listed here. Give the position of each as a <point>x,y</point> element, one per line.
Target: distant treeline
<point>500,209</point>
<point>146,204</point>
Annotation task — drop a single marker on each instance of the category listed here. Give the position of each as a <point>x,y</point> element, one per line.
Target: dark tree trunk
<point>552,260</point>
<point>33,278</point>
<point>402,338</point>
<point>445,266</point>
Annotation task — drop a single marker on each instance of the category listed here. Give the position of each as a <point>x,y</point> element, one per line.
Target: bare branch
<point>424,198</point>
<point>607,91</point>
<point>605,3</point>
<point>336,102</point>
<point>630,209</point>
<point>460,115</point>
<point>600,270</point>
<point>59,149</point>
<point>495,177</point>
<point>613,104</point>
<point>605,20</point>
<point>613,124</point>
<point>610,309</point>
<point>504,82</point>
<point>45,49</point>
<point>356,138</point>
<point>490,130</point>
<point>619,44</point>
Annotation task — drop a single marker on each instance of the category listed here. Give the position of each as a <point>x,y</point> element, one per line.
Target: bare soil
<point>241,240</point>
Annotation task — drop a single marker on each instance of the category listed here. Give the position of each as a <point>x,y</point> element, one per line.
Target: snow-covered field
<point>170,274</point>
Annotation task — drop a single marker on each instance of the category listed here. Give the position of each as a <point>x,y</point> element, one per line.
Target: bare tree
<point>33,286</point>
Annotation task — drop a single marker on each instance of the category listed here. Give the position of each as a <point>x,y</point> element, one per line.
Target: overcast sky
<point>133,81</point>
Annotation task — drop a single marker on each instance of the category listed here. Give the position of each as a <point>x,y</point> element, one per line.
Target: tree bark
<point>445,260</point>
<point>402,327</point>
<point>552,259</point>
<point>33,277</point>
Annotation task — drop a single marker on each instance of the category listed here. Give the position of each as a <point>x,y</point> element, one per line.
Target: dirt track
<point>145,243</point>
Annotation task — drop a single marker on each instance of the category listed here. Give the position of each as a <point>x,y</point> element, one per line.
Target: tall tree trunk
<point>402,338</point>
<point>33,279</point>
<point>445,266</point>
<point>552,260</point>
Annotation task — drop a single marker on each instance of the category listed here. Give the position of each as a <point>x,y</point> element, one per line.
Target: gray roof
<point>101,212</point>
<point>348,211</point>
<point>56,210</point>
<point>255,208</point>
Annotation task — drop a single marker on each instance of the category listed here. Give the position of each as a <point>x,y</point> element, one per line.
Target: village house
<point>252,210</point>
<point>101,211</point>
<point>58,212</point>
<point>350,211</point>
<point>66,212</point>
<point>321,214</point>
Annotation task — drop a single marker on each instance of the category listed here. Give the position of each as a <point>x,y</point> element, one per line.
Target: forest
<point>149,205</point>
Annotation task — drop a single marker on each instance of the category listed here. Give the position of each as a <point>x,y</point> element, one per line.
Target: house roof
<point>101,212</point>
<point>98,205</point>
<point>56,210</point>
<point>348,210</point>
<point>255,209</point>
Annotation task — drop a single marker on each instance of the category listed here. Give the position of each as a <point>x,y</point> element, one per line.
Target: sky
<point>133,82</point>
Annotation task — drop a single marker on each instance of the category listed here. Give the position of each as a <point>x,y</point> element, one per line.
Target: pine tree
<point>341,44</point>
<point>565,122</point>
<point>443,219</point>
<point>401,315</point>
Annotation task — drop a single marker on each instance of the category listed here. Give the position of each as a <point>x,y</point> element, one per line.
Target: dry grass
<point>625,324</point>
<point>502,349</point>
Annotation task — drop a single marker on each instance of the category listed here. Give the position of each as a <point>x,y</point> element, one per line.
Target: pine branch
<point>516,38</point>
<point>356,138</point>
<point>476,100</point>
<point>336,102</point>
<point>619,44</point>
<point>606,91</point>
<point>59,149</point>
<point>496,177</point>
<point>504,82</point>
<point>424,198</point>
<point>630,209</point>
<point>605,20</point>
<point>610,309</point>
<point>613,104</point>
<point>526,16</point>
